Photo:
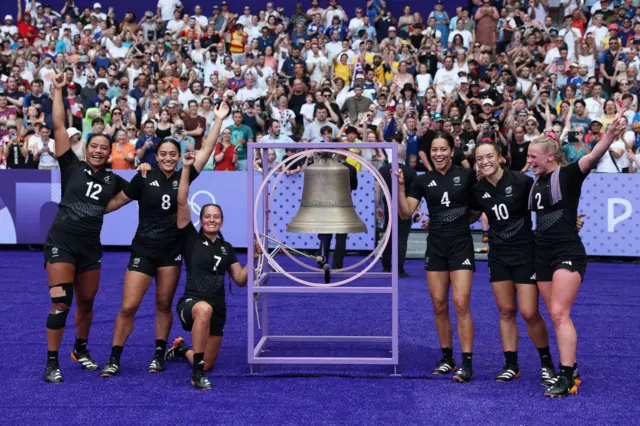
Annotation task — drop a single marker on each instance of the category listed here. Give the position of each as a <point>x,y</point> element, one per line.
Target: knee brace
<point>60,294</point>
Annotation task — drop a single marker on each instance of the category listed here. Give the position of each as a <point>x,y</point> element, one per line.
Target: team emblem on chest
<point>456,181</point>
<point>508,191</point>
<point>175,184</point>
<point>107,179</point>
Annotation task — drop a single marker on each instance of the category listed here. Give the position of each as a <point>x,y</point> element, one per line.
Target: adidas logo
<point>466,262</point>
<point>432,183</point>
<point>533,277</point>
<point>486,195</point>
<point>155,183</point>
<point>179,258</point>
<point>567,262</point>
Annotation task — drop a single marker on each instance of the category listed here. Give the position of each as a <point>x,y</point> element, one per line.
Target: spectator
<point>123,154</point>
<point>240,135</point>
<point>292,76</point>
<point>43,149</point>
<point>147,145</point>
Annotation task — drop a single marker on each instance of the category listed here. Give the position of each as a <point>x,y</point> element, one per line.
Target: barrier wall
<point>28,204</point>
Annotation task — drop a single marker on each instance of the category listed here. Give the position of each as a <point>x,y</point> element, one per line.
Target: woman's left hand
<point>143,169</point>
<point>580,221</point>
<point>257,251</point>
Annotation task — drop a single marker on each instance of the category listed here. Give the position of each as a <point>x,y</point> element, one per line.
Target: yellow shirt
<point>351,161</point>
<point>385,78</point>
<point>343,72</point>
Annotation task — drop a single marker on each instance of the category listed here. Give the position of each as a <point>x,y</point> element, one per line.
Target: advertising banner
<point>28,205</point>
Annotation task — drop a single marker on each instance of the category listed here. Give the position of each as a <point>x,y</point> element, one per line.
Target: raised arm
<point>406,205</point>
<point>589,161</point>
<point>220,112</point>
<point>184,211</point>
<point>60,134</point>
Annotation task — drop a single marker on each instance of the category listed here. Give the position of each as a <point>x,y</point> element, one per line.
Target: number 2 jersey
<point>556,223</point>
<point>448,199</point>
<point>157,197</point>
<point>506,207</point>
<point>85,195</point>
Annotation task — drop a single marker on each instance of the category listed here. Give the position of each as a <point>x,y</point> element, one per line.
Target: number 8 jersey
<point>448,197</point>
<point>85,195</point>
<point>157,197</point>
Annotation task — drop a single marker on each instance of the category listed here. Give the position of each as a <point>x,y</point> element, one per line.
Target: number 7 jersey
<point>85,195</point>
<point>448,199</point>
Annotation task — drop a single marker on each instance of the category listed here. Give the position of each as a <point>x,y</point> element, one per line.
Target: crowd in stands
<point>507,71</point>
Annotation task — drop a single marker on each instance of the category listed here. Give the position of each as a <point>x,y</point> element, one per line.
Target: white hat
<point>72,131</point>
<point>8,18</point>
<point>97,6</point>
<point>487,102</point>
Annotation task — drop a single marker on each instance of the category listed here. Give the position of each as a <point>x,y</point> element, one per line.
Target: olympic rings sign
<point>197,207</point>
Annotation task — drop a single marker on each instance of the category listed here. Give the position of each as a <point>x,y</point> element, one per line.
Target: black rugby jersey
<point>15,159</point>
<point>557,223</point>
<point>506,207</point>
<point>157,197</point>
<point>85,195</point>
<point>206,263</point>
<point>448,197</point>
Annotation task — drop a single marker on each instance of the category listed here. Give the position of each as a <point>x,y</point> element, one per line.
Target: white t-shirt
<point>167,7</point>
<point>318,62</point>
<point>245,93</point>
<point>283,117</point>
<point>46,159</point>
<point>606,164</point>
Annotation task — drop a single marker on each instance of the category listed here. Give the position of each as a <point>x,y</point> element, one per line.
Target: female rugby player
<point>502,196</point>
<point>449,259</point>
<point>155,250</point>
<point>202,309</point>
<point>561,259</point>
<point>72,249</point>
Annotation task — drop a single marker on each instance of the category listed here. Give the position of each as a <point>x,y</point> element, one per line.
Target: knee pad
<point>62,294</point>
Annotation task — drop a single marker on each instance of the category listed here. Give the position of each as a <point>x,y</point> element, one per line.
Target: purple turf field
<point>606,314</point>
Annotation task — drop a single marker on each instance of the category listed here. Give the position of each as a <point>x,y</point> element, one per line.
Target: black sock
<point>567,372</point>
<point>116,351</point>
<point>198,363</point>
<point>52,356</point>
<point>161,347</point>
<point>447,354</point>
<point>545,356</point>
<point>512,358</point>
<point>467,358</point>
<point>81,345</point>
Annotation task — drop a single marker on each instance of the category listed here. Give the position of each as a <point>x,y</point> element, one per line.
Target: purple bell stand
<point>259,287</point>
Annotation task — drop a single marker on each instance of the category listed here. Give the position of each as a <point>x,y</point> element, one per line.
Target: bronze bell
<point>326,206</point>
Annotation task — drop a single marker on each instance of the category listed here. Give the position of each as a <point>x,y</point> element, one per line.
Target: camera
<point>572,137</point>
<point>179,129</point>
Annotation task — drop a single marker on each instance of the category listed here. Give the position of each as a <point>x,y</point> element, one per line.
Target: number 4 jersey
<point>85,195</point>
<point>157,197</point>
<point>448,199</point>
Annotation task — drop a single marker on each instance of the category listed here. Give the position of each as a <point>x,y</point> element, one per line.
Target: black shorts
<point>550,259</point>
<point>449,254</point>
<point>82,251</point>
<point>515,264</point>
<point>185,306</point>
<point>148,261</point>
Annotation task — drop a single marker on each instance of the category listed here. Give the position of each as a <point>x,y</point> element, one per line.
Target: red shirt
<point>227,161</point>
